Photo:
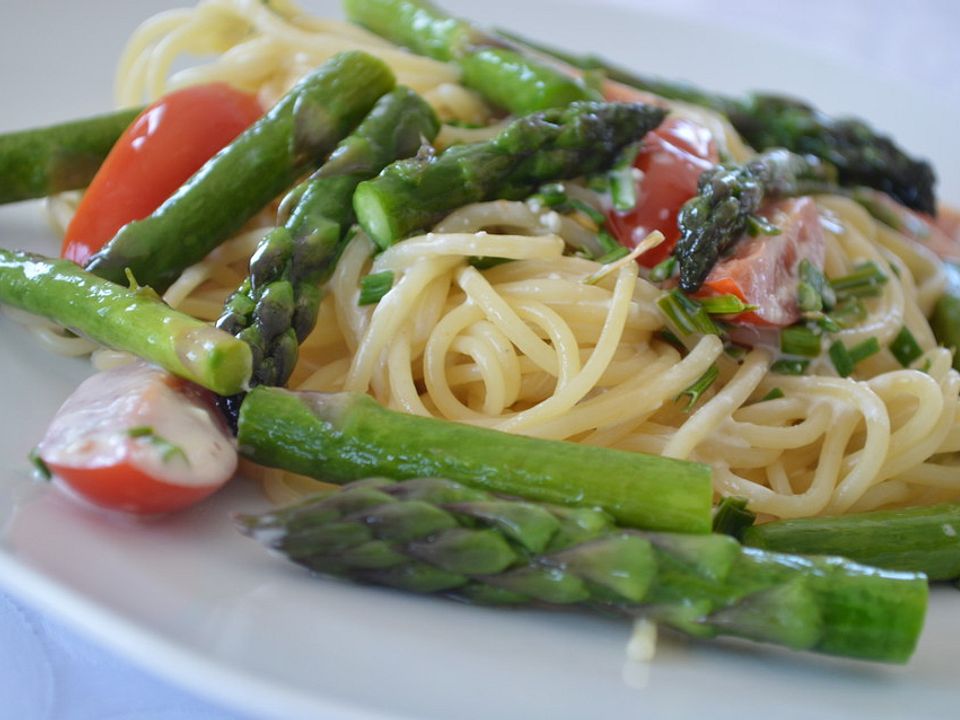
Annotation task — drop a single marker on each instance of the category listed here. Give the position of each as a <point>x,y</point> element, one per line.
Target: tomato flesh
<point>162,148</point>
<point>671,158</point>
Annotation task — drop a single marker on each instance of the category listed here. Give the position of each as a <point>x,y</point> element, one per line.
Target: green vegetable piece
<point>732,516</point>
<point>790,367</point>
<point>799,340</point>
<point>905,347</point>
<point>136,321</point>
<point>343,437</point>
<point>687,315</point>
<point>704,585</point>
<point>945,322</point>
<point>699,387</point>
<point>582,138</point>
<point>45,161</point>
<point>774,394</point>
<point>241,179</point>
<point>865,281</point>
<point>374,286</point>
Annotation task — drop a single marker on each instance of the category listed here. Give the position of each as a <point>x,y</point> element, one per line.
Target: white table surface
<point>48,672</point>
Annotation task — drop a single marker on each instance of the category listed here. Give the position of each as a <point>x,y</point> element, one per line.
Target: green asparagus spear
<point>239,181</point>
<point>727,197</point>
<point>861,155</point>
<point>276,306</point>
<point>133,320</point>
<point>341,437</point>
<point>508,78</point>
<point>916,539</point>
<point>437,536</point>
<point>41,162</point>
<point>576,140</point>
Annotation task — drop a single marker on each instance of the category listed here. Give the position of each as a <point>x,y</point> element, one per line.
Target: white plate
<point>190,599</point>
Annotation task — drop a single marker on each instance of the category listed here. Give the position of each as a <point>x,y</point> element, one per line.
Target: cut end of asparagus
<point>373,210</point>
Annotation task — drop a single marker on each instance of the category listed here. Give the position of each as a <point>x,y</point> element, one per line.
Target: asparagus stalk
<point>234,185</point>
<point>728,196</point>
<point>340,437</point>
<point>136,321</point>
<point>276,306</point>
<point>40,162</point>
<point>508,78</point>
<point>579,139</point>
<point>861,155</point>
<point>916,539</point>
<point>437,536</point>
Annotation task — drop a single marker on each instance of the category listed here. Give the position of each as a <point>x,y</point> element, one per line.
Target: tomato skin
<point>124,487</point>
<point>672,158</point>
<point>162,148</point>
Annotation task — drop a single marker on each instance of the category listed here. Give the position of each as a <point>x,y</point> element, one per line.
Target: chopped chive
<point>757,225</point>
<point>613,255</point>
<point>623,184</point>
<point>699,387</point>
<point>140,431</point>
<point>828,324</point>
<point>552,194</point>
<point>737,352</point>
<point>840,357</point>
<point>43,470</point>
<point>774,394</point>
<point>591,212</point>
<point>725,305</point>
<point>861,351</point>
<point>168,450</point>
<point>608,243</point>
<point>865,281</point>
<point>799,340</point>
<point>905,347</point>
<point>686,314</point>
<point>814,288</point>
<point>485,263</point>
<point>671,339</point>
<point>374,286</point>
<point>808,299</point>
<point>663,270</point>
<point>732,517</point>
<point>849,313</point>
<point>790,367</point>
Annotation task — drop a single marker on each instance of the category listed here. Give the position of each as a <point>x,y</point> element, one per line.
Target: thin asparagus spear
<point>40,162</point>
<point>727,197</point>
<point>340,437</point>
<point>579,139</point>
<point>861,155</point>
<point>136,321</point>
<point>916,539</point>
<point>437,536</point>
<point>241,179</point>
<point>508,78</point>
<point>276,306</point>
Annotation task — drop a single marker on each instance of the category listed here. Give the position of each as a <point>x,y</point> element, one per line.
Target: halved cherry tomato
<point>672,158</point>
<point>138,440</point>
<point>763,270</point>
<point>164,146</point>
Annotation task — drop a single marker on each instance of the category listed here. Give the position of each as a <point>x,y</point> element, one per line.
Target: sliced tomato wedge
<point>138,440</point>
<point>671,158</point>
<point>763,270</point>
<point>162,148</point>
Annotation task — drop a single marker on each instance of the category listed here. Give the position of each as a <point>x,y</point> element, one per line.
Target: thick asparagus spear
<point>916,539</point>
<point>437,536</point>
<point>44,161</point>
<point>508,78</point>
<point>341,437</point>
<point>276,306</point>
<point>133,320</point>
<point>727,198</point>
<point>241,179</point>
<point>566,142</point>
<point>861,155</point>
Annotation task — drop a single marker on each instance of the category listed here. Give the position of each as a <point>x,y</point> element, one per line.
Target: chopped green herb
<point>168,450</point>
<point>774,394</point>
<point>840,357</point>
<point>609,243</point>
<point>732,517</point>
<point>43,470</point>
<point>861,351</point>
<point>668,337</point>
<point>814,288</point>
<point>865,281</point>
<point>374,286</point>
<point>612,255</point>
<point>757,225</point>
<point>591,212</point>
<point>827,324</point>
<point>725,305</point>
<point>737,352</point>
<point>623,184</point>
<point>905,347</point>
<point>849,313</point>
<point>552,194</point>
<point>686,314</point>
<point>799,340</point>
<point>790,367</point>
<point>663,270</point>
<point>699,387</point>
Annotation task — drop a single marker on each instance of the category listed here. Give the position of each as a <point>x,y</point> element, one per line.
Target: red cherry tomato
<point>672,158</point>
<point>164,146</point>
<point>138,440</point>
